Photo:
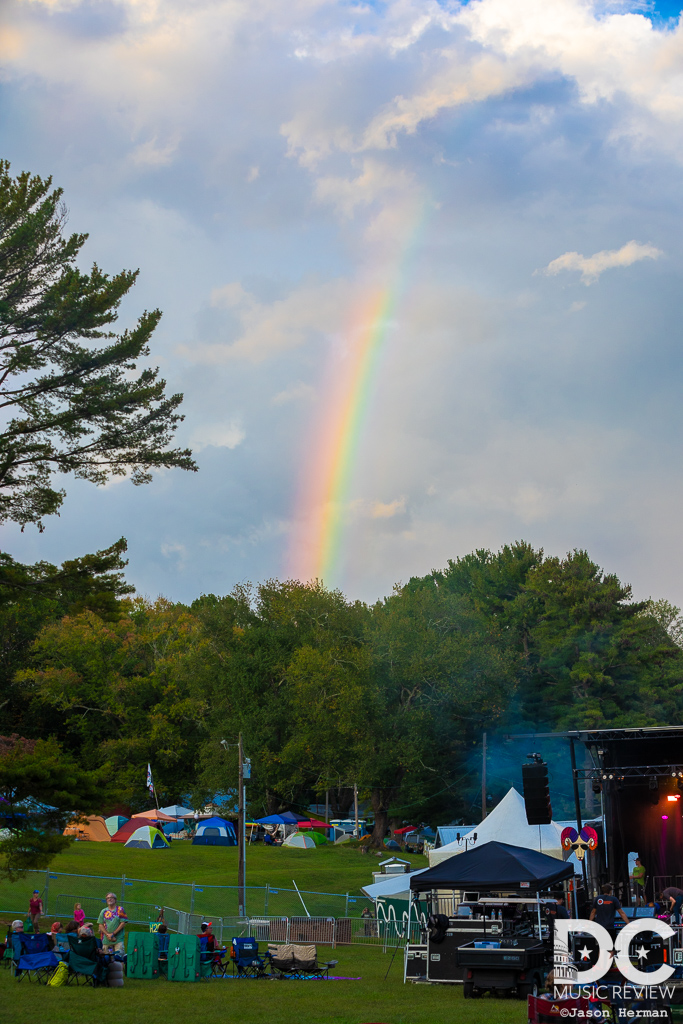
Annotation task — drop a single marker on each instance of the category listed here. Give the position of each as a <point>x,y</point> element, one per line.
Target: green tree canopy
<point>72,397</point>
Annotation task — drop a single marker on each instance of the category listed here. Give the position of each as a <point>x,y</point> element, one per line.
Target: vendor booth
<point>485,920</point>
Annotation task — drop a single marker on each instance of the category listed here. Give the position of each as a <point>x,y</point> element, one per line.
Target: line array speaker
<point>536,794</point>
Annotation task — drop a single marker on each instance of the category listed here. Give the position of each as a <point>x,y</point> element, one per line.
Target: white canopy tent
<point>393,886</point>
<point>507,824</point>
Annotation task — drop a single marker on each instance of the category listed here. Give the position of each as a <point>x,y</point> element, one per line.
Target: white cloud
<point>218,435</point>
<point>387,510</point>
<point>591,267</point>
<point>269,328</point>
<point>294,393</point>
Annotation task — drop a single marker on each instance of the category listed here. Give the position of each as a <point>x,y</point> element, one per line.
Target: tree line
<point>327,692</point>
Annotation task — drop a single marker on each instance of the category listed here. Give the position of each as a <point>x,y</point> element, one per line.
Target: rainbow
<point>315,552</point>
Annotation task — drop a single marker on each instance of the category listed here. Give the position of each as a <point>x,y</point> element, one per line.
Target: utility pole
<point>241,835</point>
<point>327,806</point>
<point>483,778</point>
<point>355,808</point>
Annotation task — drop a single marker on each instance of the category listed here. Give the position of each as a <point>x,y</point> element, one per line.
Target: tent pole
<point>410,907</point>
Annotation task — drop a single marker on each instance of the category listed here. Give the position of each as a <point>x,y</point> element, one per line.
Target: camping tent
<point>506,824</point>
<point>94,830</point>
<point>147,838</point>
<point>317,838</point>
<point>154,815</point>
<point>114,823</point>
<point>215,832</point>
<point>170,828</point>
<point>178,811</point>
<point>492,867</point>
<point>300,841</point>
<point>126,831</point>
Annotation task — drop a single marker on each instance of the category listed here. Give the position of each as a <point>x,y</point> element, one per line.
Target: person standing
<point>79,914</point>
<point>112,922</point>
<point>605,906</point>
<point>638,876</point>
<point>675,900</point>
<point>35,909</point>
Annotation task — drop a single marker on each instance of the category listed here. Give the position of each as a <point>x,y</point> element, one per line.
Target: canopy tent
<point>215,832</point>
<point>126,831</point>
<point>404,831</point>
<point>114,823</point>
<point>93,830</point>
<point>506,824</point>
<point>300,841</point>
<point>396,886</point>
<point>493,866</point>
<point>154,815</point>
<point>147,838</point>
<point>178,811</point>
<point>312,823</point>
<point>286,818</point>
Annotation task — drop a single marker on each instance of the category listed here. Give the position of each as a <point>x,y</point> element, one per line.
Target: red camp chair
<point>544,1010</point>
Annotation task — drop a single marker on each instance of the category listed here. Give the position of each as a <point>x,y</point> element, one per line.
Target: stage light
<point>674,798</point>
<point>665,817</point>
<point>597,788</point>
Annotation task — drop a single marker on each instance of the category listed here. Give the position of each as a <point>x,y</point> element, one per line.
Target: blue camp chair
<point>245,959</point>
<point>33,958</point>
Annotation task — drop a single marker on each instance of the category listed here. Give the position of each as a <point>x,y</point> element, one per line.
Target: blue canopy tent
<point>215,832</point>
<point>177,811</point>
<point>286,818</point>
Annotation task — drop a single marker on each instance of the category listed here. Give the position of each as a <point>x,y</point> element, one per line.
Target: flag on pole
<point>150,783</point>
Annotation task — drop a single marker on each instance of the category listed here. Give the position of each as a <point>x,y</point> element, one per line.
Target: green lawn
<point>333,869</point>
<point>373,999</point>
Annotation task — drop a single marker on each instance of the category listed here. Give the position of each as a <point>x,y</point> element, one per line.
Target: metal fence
<point>142,897</point>
<point>319,931</point>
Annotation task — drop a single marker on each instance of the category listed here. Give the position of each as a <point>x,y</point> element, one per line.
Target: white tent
<point>507,824</point>
<point>393,886</point>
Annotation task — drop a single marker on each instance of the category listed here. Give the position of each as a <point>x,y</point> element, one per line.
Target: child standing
<point>79,914</point>
<point>35,909</point>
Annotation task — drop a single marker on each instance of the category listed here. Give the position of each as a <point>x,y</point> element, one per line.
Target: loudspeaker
<point>536,793</point>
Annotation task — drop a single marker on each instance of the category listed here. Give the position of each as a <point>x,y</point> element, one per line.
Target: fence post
<point>123,890</point>
<point>346,907</point>
<point>192,900</point>
<point>47,890</point>
<point>267,894</point>
<point>334,933</point>
<point>288,930</point>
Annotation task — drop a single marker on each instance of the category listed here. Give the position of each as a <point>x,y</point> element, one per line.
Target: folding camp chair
<point>300,962</point>
<point>245,959</point>
<point>33,958</point>
<point>86,966</point>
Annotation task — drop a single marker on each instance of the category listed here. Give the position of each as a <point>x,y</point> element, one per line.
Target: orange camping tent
<point>93,830</point>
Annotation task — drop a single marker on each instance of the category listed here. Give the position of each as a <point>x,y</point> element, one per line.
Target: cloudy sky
<point>502,180</point>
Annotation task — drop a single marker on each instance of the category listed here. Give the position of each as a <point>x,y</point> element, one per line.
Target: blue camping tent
<point>215,832</point>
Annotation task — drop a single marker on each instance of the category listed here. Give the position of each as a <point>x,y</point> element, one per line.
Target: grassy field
<point>77,872</point>
<point>372,999</point>
<point>325,869</point>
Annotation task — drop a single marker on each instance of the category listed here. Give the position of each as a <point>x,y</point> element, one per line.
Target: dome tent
<point>126,830</point>
<point>147,838</point>
<point>300,840</point>
<point>114,823</point>
<point>93,829</point>
<point>215,832</point>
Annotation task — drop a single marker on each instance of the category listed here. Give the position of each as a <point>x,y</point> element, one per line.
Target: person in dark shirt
<point>674,897</point>
<point>604,908</point>
<point>556,911</point>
